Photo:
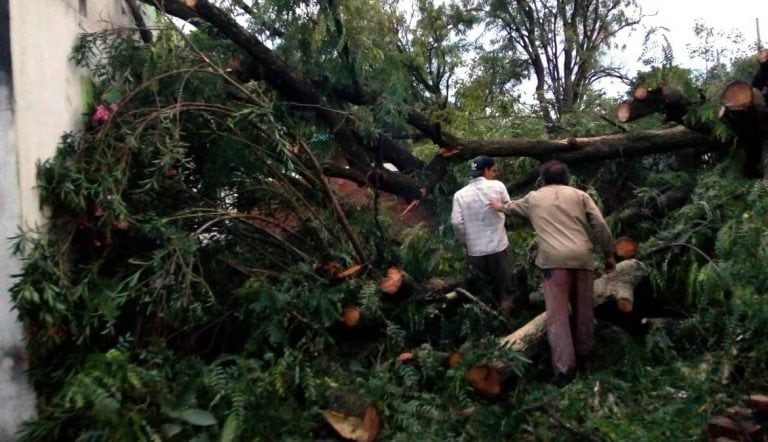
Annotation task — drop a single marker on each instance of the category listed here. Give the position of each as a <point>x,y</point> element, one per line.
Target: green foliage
<point>179,291</point>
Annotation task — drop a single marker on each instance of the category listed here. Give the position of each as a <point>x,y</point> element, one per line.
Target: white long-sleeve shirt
<point>478,227</point>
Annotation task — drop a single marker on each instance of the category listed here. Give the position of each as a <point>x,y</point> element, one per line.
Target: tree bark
<point>667,202</point>
<point>579,150</point>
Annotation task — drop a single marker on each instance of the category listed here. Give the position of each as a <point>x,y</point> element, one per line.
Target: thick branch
<point>667,202</point>
<point>664,99</point>
<point>383,179</point>
<point>144,32</point>
<point>575,150</point>
<point>294,88</point>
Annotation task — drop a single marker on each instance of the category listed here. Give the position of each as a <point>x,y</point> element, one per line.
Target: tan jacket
<point>567,224</point>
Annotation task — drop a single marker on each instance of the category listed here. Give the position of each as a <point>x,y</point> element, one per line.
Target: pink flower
<point>101,115</point>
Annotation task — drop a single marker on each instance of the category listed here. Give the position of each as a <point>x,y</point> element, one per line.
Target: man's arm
<point>513,207</point>
<point>457,220</point>
<point>600,234</point>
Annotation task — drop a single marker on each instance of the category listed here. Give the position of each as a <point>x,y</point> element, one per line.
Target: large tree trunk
<point>577,150</point>
<point>744,110</point>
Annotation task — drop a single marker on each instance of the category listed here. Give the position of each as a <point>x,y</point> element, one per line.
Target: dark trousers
<point>569,335</point>
<point>498,268</point>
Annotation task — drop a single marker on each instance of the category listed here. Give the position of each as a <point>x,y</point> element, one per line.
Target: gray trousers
<point>498,269</point>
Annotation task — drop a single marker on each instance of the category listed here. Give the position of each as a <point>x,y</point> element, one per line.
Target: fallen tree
<point>414,179</point>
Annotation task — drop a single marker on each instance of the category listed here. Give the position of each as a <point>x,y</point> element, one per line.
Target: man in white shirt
<point>481,230</point>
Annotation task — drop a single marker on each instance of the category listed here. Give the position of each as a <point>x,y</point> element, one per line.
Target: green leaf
<point>231,428</point>
<point>112,96</point>
<point>196,416</point>
<point>170,430</point>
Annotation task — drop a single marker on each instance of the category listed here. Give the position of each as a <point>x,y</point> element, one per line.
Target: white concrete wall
<point>46,84</point>
<point>42,101</point>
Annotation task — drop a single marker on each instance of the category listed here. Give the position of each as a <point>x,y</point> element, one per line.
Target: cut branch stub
<point>486,379</point>
<point>365,428</point>
<point>640,93</point>
<point>738,96</point>
<point>625,247</point>
<point>620,284</point>
<point>454,359</point>
<point>350,315</point>
<point>395,282</point>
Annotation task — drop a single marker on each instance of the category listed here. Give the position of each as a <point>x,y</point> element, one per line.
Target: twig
<point>482,305</point>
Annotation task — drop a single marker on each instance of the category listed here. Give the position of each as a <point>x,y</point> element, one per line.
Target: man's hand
<point>609,263</point>
<point>496,205</point>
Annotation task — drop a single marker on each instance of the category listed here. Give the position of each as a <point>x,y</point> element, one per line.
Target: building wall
<point>40,99</point>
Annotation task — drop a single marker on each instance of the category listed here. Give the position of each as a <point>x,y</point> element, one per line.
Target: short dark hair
<point>554,172</point>
<point>478,165</point>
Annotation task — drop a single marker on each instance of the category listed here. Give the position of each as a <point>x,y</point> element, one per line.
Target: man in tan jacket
<point>568,225</point>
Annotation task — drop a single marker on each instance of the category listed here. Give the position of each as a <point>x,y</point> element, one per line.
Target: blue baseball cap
<point>479,164</point>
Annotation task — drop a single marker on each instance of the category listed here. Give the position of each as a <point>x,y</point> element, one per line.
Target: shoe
<point>584,364</point>
<point>560,380</point>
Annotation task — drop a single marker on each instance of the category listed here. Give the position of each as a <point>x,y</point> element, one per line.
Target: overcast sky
<point>679,17</point>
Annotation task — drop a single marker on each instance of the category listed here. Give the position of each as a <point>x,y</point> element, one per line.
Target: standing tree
<point>563,41</point>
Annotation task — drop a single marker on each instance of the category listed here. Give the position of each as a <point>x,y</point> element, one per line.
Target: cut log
<point>618,285</point>
<point>365,428</point>
<point>625,248</point>
<point>743,109</point>
<point>350,316</point>
<point>396,282</point>
<point>663,99</point>
<point>487,379</point>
